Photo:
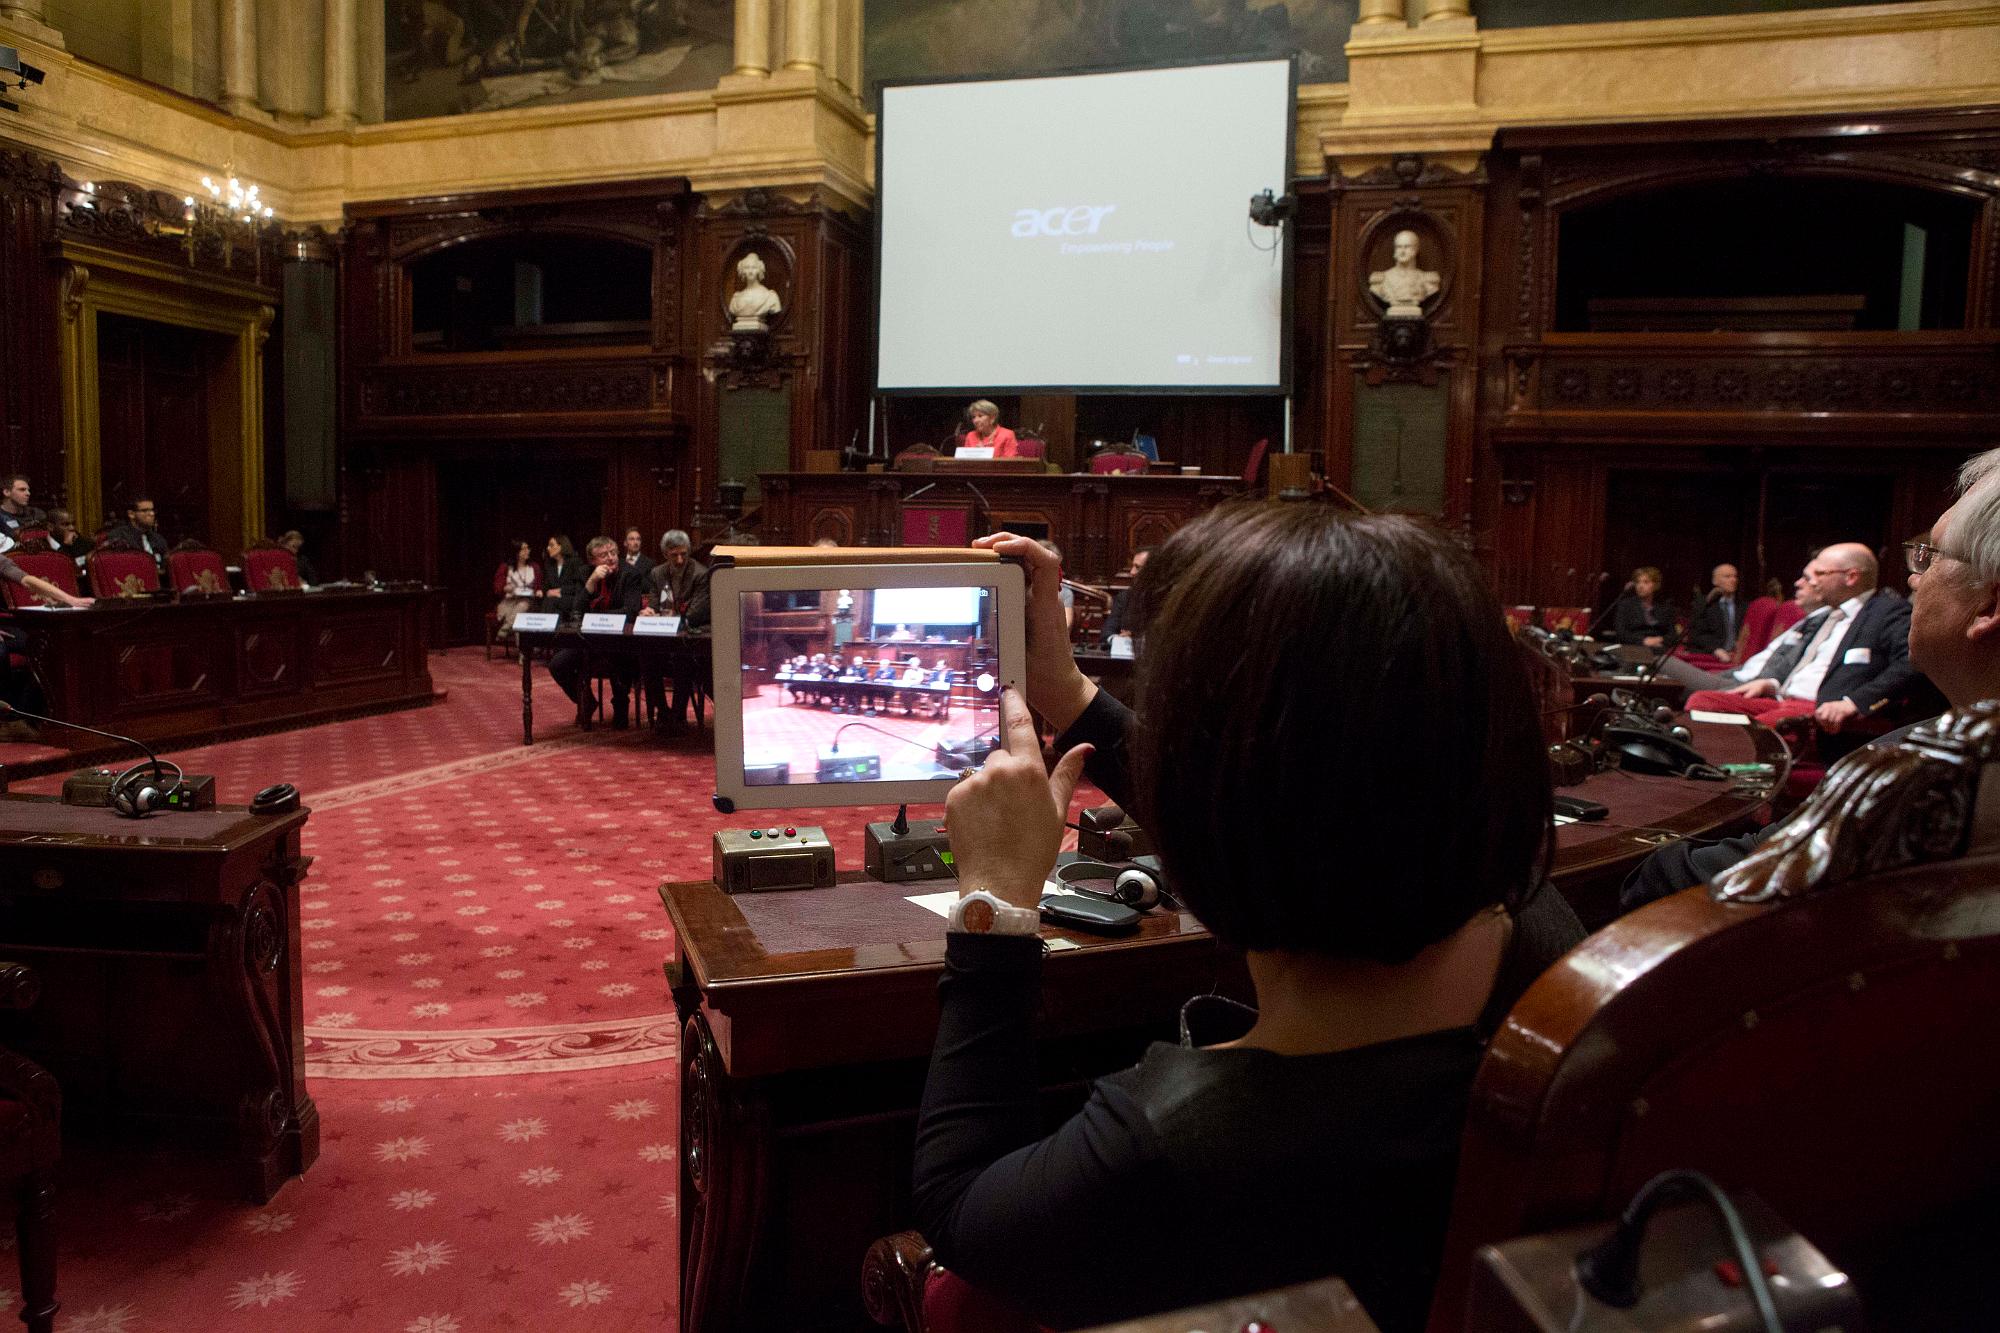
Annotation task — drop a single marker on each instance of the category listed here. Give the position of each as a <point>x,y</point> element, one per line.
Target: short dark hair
<point>13,477</point>
<point>141,499</point>
<point>1337,752</point>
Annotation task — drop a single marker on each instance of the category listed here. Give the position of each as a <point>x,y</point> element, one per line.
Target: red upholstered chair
<point>1816,1027</point>
<point>201,573</point>
<point>26,535</point>
<point>1031,446</point>
<point>1256,463</point>
<point>30,1147</point>
<point>57,569</point>
<point>122,572</point>
<point>1764,620</point>
<point>1575,619</point>
<point>269,569</point>
<point>1117,460</point>
<point>1518,617</point>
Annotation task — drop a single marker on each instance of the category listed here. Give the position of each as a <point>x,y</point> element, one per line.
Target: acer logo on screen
<point>1080,220</point>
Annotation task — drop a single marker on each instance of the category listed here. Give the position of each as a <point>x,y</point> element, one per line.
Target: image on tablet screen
<point>868,684</point>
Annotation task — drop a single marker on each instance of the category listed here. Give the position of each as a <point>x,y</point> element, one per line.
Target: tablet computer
<point>856,676</point>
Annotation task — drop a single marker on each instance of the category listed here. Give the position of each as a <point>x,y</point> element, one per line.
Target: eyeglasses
<point>1919,556</point>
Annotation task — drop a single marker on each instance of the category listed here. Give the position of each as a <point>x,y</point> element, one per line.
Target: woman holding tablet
<point>1345,778</point>
<point>987,432</point>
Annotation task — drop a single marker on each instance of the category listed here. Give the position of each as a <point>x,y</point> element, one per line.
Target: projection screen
<point>1083,232</point>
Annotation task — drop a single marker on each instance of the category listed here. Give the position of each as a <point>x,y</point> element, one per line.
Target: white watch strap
<point>1006,918</point>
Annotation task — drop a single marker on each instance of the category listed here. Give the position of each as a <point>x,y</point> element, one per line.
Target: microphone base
<point>916,855</point>
<point>92,787</point>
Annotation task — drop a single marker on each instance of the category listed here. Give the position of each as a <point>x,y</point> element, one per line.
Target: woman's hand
<point>1056,689</point>
<point>1006,819</point>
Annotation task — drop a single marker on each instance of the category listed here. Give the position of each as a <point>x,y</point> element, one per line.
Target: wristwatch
<point>983,913</point>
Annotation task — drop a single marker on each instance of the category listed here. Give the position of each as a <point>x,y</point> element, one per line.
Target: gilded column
<point>1438,11</point>
<point>239,56</point>
<point>31,10</point>
<point>802,34</point>
<point>850,56</point>
<point>342,46</point>
<point>753,37</point>
<point>830,55</point>
<point>1377,13</point>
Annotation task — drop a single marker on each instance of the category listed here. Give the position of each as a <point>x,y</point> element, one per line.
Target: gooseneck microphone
<point>128,798</point>
<point>1650,670</point>
<point>1598,623</point>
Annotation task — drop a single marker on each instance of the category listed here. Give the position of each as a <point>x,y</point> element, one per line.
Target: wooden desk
<point>807,1020</point>
<point>170,672</point>
<point>169,955</point>
<point>638,653</point>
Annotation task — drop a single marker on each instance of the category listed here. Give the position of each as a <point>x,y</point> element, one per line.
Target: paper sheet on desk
<point>1727,719</point>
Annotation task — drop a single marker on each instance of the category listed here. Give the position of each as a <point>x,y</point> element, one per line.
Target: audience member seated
<point>268,567</point>
<point>51,581</point>
<point>140,532</point>
<point>1776,659</point>
<point>1318,1134</point>
<point>633,555</point>
<point>1856,656</point>
<point>678,586</point>
<point>1952,621</point>
<point>1767,617</point>
<point>608,588</point>
<point>295,542</point>
<point>1121,601</point>
<point>1718,621</point>
<point>563,573</point>
<point>515,583</point>
<point>16,514</point>
<point>1641,615</point>
<point>194,570</point>
<point>64,538</point>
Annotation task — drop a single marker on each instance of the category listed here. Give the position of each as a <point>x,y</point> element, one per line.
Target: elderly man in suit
<point>1856,658</point>
<point>1953,626</point>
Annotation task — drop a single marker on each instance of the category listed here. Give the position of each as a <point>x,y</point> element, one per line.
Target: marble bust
<point>1404,287</point>
<point>754,303</point>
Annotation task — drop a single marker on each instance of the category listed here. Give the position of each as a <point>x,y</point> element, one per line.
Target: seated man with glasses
<point>1853,654</point>
<point>1953,626</point>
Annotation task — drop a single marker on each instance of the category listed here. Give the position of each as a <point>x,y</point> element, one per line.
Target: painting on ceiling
<point>909,39</point>
<point>444,57</point>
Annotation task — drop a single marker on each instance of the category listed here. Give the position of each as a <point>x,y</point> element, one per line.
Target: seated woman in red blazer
<point>987,430</point>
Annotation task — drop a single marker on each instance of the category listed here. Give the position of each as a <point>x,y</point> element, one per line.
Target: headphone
<point>144,789</point>
<point>1136,886</point>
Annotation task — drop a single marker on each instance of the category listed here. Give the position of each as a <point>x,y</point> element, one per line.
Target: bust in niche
<point>754,303</point>
<point>1404,287</point>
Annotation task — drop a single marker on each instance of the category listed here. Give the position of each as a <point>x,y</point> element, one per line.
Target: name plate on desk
<point>657,625</point>
<point>972,451</point>
<point>604,622</point>
<point>536,620</point>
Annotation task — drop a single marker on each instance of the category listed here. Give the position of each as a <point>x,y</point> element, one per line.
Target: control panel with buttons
<point>767,860</point>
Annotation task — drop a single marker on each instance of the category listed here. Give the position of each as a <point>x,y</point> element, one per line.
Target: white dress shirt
<point>1804,682</point>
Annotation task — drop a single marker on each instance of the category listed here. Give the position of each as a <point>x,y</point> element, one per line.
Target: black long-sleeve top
<point>1199,1173</point>
<point>1632,621</point>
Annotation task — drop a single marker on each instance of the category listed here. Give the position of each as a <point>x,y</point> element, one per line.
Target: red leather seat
<point>1575,619</point>
<point>116,572</point>
<point>57,569</point>
<point>268,569</point>
<point>1109,461</point>
<point>1764,620</point>
<point>199,572</point>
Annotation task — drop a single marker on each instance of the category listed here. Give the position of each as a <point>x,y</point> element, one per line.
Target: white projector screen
<point>1083,232</point>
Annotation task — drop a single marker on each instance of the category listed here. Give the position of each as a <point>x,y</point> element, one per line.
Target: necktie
<point>1729,622</point>
<point>1833,618</point>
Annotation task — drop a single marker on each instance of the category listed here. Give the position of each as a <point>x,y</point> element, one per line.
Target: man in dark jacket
<point>608,587</point>
<point>141,532</point>
<point>679,588</point>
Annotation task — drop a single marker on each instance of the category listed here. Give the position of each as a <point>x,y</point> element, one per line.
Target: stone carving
<point>1871,383</point>
<point>1882,808</point>
<point>1404,287</point>
<point>754,304</point>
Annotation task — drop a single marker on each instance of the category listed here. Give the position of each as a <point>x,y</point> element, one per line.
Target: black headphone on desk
<point>144,789</point>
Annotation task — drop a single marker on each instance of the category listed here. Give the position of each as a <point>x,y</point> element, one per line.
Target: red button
<point>791,832</point>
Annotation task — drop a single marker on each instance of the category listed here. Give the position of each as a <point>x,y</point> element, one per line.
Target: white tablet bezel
<point>726,587</point>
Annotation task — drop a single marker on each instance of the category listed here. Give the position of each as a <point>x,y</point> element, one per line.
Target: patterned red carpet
<point>490,1040</point>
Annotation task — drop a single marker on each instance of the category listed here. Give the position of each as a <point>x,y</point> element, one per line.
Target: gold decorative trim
<point>98,281</point>
<point>1785,25</point>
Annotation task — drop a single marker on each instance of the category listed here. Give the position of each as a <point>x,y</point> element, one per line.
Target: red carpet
<point>490,1040</point>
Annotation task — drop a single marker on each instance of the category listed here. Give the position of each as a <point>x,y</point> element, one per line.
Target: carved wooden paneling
<point>1560,413</point>
<point>478,395</point>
